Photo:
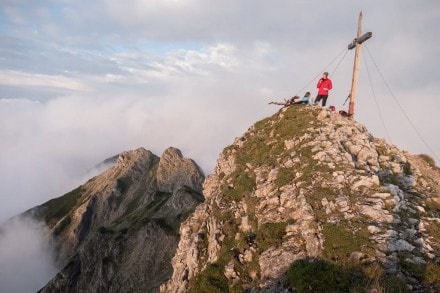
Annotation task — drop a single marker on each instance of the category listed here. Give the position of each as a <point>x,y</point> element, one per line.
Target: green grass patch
<point>316,275</point>
<point>263,124</point>
<point>296,120</point>
<point>256,151</point>
<point>433,207</point>
<point>310,167</point>
<point>341,241</point>
<point>139,216</point>
<point>243,184</point>
<point>319,193</point>
<point>210,280</point>
<point>432,274</point>
<point>285,176</point>
<point>270,234</point>
<point>392,284</point>
<point>415,270</point>
<point>57,208</point>
<point>261,149</point>
<point>427,273</point>
<point>314,198</point>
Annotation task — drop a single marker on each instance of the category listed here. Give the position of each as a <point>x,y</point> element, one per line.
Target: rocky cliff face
<point>119,231</point>
<point>305,200</point>
<point>308,200</point>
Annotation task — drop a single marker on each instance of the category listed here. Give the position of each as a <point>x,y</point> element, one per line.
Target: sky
<point>81,81</point>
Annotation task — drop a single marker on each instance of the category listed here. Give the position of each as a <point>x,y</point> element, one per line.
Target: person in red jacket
<point>324,85</point>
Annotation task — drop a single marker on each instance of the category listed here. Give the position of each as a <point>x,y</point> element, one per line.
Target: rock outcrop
<point>304,201</point>
<point>119,231</point>
<point>308,200</point>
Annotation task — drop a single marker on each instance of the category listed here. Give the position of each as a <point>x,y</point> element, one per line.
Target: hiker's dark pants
<point>324,99</point>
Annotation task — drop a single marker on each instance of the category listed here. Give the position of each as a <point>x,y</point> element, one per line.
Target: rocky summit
<point>305,201</point>
<point>309,201</point>
<point>119,231</point>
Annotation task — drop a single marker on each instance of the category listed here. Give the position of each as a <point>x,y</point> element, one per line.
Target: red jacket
<point>324,86</point>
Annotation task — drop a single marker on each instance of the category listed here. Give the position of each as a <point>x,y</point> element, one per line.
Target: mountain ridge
<point>119,227</point>
<point>308,190</point>
<point>305,200</point>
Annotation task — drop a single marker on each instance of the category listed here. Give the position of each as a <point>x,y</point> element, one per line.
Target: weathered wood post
<point>356,43</point>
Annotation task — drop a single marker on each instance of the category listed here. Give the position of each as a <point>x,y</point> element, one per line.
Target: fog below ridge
<point>26,263</point>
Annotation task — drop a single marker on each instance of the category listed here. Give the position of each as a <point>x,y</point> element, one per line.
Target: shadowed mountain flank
<point>119,231</point>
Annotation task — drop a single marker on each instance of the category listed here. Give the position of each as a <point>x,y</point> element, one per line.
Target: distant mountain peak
<point>126,217</point>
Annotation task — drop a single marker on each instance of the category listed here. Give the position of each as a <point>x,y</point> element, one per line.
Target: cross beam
<point>356,43</point>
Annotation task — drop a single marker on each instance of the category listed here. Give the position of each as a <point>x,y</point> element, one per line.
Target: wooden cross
<point>356,43</point>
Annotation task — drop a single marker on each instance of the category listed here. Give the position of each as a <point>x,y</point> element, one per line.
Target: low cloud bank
<point>26,263</point>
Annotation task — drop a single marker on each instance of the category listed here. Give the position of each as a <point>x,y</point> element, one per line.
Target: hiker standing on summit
<point>324,85</point>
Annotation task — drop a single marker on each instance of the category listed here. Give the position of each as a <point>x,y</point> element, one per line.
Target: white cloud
<point>26,262</point>
<point>50,144</point>
<point>24,79</point>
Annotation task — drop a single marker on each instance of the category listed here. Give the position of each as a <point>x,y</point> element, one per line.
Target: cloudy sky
<point>83,80</point>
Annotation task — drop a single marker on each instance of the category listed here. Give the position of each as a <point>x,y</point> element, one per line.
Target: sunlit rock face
<point>308,200</point>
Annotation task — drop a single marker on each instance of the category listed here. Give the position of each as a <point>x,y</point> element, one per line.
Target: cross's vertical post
<point>355,69</point>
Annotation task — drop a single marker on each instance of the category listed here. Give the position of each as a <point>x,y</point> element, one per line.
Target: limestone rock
<point>124,220</point>
<point>297,198</point>
<point>400,245</point>
<point>366,186</point>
